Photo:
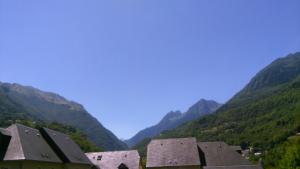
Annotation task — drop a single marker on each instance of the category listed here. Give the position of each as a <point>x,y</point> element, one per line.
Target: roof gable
<point>115,159</point>
<point>173,152</point>
<point>65,147</point>
<point>5,137</point>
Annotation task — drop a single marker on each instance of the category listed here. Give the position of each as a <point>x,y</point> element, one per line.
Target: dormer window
<point>44,155</point>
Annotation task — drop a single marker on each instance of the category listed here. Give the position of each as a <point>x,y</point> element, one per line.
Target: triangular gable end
<point>4,142</point>
<point>14,149</point>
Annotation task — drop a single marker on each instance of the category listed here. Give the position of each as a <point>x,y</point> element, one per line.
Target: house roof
<point>65,147</point>
<point>220,154</point>
<point>235,167</point>
<point>173,152</point>
<point>113,159</point>
<point>27,144</point>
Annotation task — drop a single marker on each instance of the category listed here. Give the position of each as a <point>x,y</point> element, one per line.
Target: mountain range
<point>18,102</point>
<point>25,102</point>
<point>173,119</point>
<point>264,115</point>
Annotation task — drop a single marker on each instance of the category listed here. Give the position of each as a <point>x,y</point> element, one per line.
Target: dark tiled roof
<point>220,154</point>
<point>235,167</point>
<point>27,144</point>
<point>112,160</point>
<point>65,147</point>
<point>173,152</point>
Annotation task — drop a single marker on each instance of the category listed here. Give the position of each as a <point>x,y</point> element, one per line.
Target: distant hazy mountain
<point>50,107</point>
<point>174,119</point>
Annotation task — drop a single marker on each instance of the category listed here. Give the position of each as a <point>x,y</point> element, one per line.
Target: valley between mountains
<point>264,115</point>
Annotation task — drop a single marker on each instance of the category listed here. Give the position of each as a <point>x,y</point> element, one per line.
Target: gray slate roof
<point>173,152</point>
<point>220,154</point>
<point>113,159</point>
<point>27,144</point>
<point>65,147</point>
<point>235,167</point>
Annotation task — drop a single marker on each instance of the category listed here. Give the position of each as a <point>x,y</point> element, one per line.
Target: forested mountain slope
<point>17,101</point>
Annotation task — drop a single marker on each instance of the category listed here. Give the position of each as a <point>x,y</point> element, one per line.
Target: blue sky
<point>129,62</point>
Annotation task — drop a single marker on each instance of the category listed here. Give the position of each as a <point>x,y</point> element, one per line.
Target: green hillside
<point>285,155</point>
<point>262,123</point>
<point>12,112</point>
<point>263,115</point>
<point>27,103</point>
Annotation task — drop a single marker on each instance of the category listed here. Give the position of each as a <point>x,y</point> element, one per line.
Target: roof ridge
<point>13,129</point>
<point>19,139</point>
<point>179,138</point>
<point>56,131</point>
<point>64,146</point>
<point>111,151</point>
